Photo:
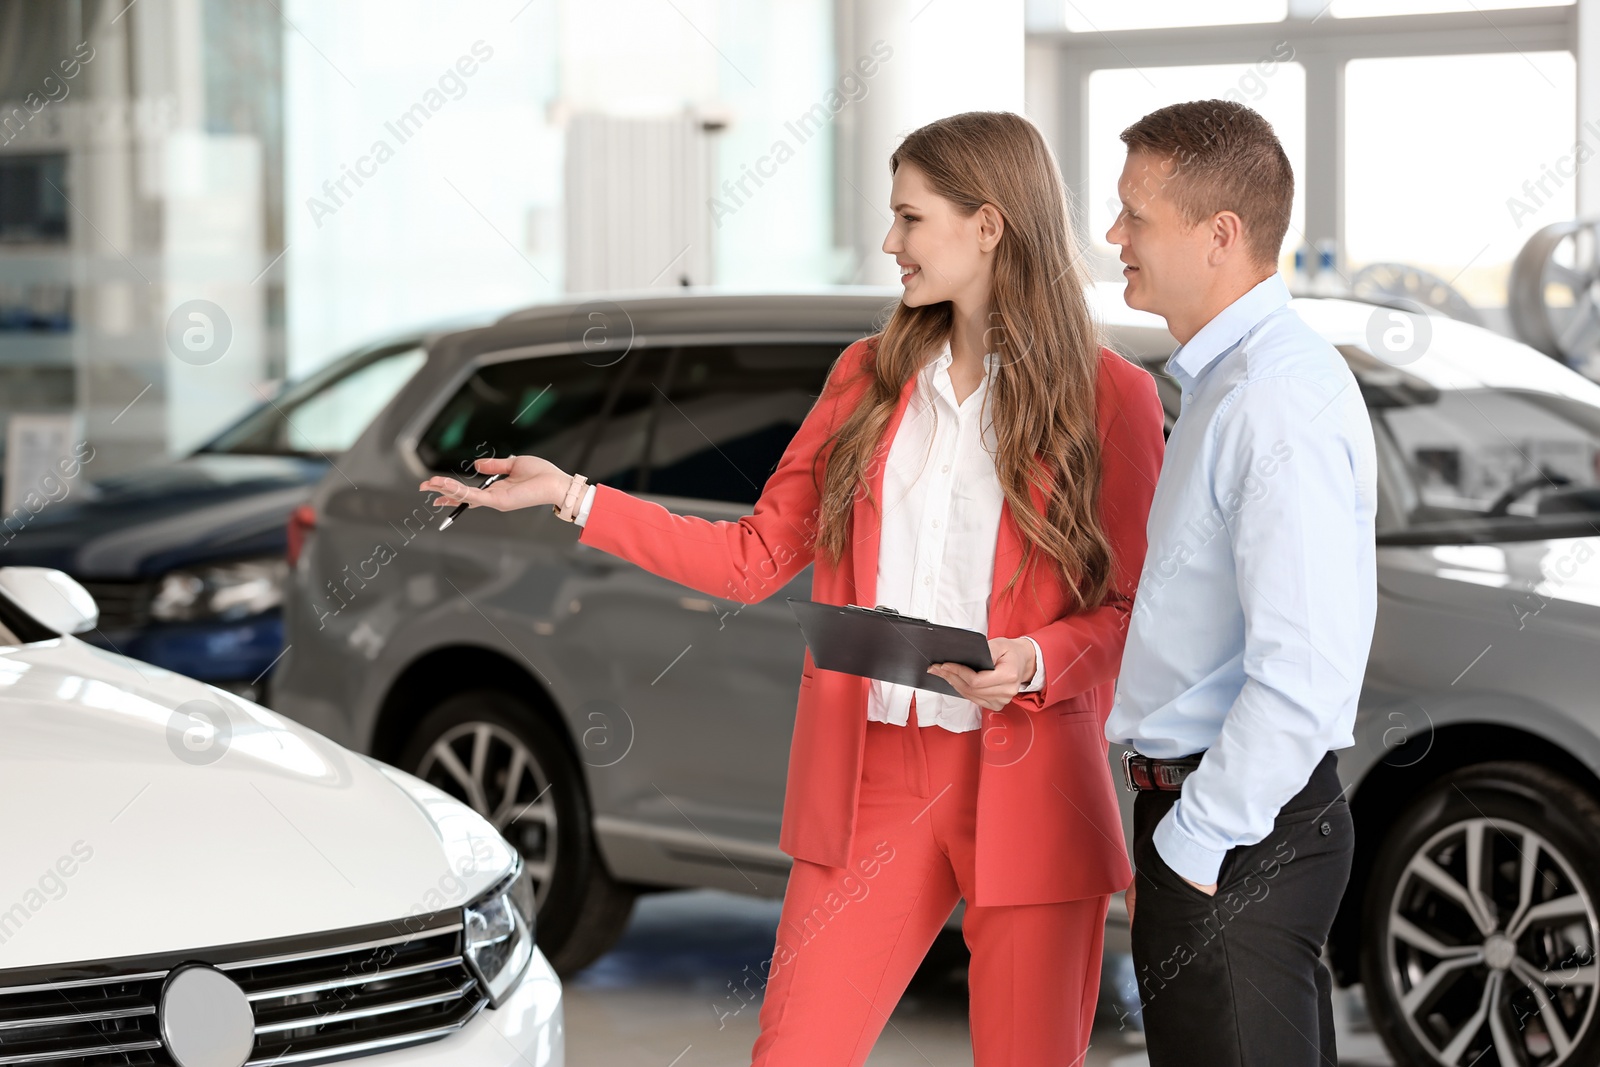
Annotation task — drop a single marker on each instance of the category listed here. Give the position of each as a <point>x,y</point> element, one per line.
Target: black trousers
<point>1237,978</point>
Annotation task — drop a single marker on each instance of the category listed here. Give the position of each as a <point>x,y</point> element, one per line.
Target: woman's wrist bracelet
<point>569,503</point>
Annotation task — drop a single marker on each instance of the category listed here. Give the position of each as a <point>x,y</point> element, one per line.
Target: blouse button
<point>945,469</point>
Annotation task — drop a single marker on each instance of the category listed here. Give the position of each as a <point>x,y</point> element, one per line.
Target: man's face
<point>1164,256</point>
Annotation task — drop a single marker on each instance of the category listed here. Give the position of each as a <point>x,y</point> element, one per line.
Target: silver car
<point>628,733</point>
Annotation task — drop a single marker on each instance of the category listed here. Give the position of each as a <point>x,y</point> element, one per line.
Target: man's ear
<point>991,227</point>
<point>1227,237</point>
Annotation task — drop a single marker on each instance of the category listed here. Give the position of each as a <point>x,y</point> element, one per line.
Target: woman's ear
<point>991,226</point>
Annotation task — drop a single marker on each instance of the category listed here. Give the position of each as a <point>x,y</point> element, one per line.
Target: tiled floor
<point>664,997</point>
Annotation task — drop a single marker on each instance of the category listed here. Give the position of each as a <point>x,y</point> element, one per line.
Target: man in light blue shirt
<point>1249,634</point>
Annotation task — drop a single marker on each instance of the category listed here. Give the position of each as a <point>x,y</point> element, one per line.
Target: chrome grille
<point>123,605</point>
<point>350,1000</point>
<point>315,1000</point>
<point>90,1022</point>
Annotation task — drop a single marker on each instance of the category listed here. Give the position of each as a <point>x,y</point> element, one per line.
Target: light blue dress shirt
<point>1250,630</point>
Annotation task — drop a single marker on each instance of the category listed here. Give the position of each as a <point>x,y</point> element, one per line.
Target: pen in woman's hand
<point>459,508</point>
<point>517,482</point>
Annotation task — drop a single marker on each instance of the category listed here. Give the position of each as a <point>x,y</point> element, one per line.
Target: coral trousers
<point>850,938</point>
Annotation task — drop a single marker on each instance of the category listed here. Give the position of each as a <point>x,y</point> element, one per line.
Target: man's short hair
<point>1226,159</point>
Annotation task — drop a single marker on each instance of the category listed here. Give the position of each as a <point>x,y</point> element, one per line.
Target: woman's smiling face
<point>942,254</point>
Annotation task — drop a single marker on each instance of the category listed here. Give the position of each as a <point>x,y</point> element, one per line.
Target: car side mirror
<point>52,597</point>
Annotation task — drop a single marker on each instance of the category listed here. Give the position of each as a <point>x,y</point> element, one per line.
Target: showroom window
<point>1439,194</point>
<point>1367,8</point>
<point>1097,15</point>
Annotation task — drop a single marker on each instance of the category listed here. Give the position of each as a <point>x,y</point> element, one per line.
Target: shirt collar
<point>945,358</point>
<point>1229,326</point>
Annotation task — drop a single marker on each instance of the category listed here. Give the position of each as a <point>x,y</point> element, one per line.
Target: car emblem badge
<point>206,1019</point>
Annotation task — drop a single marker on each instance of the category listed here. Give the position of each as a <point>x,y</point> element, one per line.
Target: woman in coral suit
<point>982,462</point>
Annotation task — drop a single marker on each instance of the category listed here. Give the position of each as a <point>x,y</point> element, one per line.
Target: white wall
<point>946,58</point>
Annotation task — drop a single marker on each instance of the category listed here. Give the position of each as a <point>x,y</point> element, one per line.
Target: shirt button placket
<point>938,504</point>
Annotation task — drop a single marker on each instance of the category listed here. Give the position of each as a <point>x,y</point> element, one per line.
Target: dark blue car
<point>187,559</point>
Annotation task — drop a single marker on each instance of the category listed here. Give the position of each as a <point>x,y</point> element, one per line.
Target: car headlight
<point>225,591</point>
<point>499,934</point>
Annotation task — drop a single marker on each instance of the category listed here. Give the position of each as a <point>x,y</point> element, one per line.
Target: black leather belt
<point>1145,772</point>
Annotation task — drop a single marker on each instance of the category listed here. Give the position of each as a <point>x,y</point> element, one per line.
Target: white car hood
<point>123,833</point>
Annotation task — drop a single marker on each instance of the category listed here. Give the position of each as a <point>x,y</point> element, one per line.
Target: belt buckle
<point>1127,771</point>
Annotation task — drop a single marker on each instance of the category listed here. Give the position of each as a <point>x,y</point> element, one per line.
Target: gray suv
<point>628,733</point>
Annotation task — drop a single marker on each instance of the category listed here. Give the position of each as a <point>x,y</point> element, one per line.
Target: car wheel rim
<point>1491,942</point>
<point>490,769</point>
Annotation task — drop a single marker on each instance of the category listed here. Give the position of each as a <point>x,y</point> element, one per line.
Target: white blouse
<point>941,517</point>
<point>941,505</point>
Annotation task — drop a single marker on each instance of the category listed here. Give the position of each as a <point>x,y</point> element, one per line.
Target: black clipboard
<point>884,644</point>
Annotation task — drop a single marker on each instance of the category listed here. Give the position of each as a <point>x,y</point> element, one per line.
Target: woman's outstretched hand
<point>992,689</point>
<point>528,482</point>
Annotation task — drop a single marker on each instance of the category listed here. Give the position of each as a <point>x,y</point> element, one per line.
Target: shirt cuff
<point>583,507</point>
<point>1035,683</point>
<point>1193,861</point>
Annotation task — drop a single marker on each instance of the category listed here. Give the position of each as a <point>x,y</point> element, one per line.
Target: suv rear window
<point>551,406</point>
<point>734,409</point>
<point>706,422</point>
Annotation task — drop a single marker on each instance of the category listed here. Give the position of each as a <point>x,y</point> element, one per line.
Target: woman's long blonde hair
<point>1043,391</point>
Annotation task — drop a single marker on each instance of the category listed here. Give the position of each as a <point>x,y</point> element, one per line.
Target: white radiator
<point>637,192</point>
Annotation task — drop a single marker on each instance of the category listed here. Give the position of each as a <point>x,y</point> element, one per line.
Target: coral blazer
<point>1048,828</point>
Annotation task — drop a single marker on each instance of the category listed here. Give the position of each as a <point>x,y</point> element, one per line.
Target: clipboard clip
<point>884,609</point>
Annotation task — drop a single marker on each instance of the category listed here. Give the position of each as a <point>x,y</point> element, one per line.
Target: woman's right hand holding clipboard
<point>993,689</point>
